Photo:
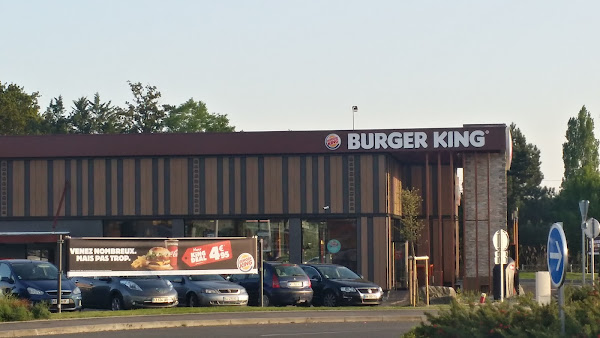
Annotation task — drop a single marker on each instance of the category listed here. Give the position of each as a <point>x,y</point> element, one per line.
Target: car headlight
<point>77,291</point>
<point>131,285</point>
<point>243,291</point>
<point>209,291</point>
<point>33,291</point>
<point>347,289</point>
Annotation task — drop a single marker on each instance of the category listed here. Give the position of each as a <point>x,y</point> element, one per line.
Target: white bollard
<point>542,288</point>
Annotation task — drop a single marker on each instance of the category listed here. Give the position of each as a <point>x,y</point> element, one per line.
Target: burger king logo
<point>245,262</point>
<point>333,141</point>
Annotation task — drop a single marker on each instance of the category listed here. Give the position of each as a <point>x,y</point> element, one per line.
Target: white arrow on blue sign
<point>557,254</point>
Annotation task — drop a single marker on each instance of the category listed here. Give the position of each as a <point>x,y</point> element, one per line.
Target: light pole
<point>583,208</point>
<point>354,110</point>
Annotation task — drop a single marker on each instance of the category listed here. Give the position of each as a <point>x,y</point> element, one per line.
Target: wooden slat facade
<point>251,185</point>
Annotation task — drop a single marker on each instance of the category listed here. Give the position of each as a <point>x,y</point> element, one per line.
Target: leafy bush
<point>517,317</point>
<point>16,309</point>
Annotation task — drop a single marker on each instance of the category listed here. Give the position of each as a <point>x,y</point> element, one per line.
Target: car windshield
<point>35,271</point>
<point>288,270</point>
<point>337,272</point>
<point>206,278</point>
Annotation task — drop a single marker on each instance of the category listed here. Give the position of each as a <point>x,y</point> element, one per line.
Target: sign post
<point>592,230</point>
<point>501,244</point>
<point>583,209</point>
<point>558,255</point>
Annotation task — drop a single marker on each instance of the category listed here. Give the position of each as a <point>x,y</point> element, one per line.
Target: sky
<point>302,65</point>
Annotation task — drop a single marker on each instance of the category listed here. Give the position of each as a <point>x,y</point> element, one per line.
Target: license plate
<point>371,296</point>
<point>62,301</point>
<point>161,300</point>
<point>230,298</point>
<point>294,284</point>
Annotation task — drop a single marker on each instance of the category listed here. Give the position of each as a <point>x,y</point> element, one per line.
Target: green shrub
<point>16,309</point>
<point>517,317</point>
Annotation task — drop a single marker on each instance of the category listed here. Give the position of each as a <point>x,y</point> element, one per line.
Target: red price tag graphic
<point>206,254</point>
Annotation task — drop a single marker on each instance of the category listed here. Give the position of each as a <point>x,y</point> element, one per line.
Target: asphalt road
<point>343,330</point>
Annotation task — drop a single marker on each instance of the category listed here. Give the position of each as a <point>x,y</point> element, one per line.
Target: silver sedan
<point>208,290</point>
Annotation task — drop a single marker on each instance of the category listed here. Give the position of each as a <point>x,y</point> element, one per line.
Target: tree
<point>19,111</point>
<point>144,114</point>
<point>581,148</point>
<point>55,119</point>
<point>411,225</point>
<point>193,117</point>
<point>108,119</point>
<point>524,176</point>
<point>82,120</point>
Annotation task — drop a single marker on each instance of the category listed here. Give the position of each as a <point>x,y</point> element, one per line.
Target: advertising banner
<point>108,256</point>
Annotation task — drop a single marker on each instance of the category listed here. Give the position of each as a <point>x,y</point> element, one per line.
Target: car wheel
<point>193,300</point>
<point>266,301</point>
<point>116,303</point>
<point>330,299</point>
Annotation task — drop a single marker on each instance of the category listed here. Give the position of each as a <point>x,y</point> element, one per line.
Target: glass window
<point>311,272</point>
<point>274,233</point>
<point>4,271</point>
<point>316,235</point>
<point>138,228</point>
<point>210,228</point>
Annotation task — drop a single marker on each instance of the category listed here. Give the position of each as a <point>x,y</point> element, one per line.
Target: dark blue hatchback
<point>37,281</point>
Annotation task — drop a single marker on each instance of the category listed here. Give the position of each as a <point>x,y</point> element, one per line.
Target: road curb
<point>208,322</point>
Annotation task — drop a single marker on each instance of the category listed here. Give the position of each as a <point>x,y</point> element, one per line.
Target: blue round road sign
<point>557,254</point>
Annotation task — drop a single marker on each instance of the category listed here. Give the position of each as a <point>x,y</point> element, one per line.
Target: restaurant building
<point>313,196</point>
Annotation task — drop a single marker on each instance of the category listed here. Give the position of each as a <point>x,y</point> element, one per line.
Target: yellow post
<point>427,279</point>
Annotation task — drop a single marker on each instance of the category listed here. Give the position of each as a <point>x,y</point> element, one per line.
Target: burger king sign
<point>333,141</point>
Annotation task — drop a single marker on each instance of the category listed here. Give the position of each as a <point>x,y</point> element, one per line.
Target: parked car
<point>37,281</point>
<point>335,285</point>
<point>206,290</point>
<point>283,284</point>
<point>122,293</point>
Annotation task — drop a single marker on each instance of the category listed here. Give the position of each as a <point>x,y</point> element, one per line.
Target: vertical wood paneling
<point>380,245</point>
<point>309,185</point>
<point>336,177</point>
<point>58,176</point>
<point>129,187</point>
<point>160,189</point>
<point>252,185</point>
<point>226,173</point>
<point>38,188</point>
<point>210,165</point>
<point>146,186</point>
<point>366,187</point>
<point>179,188</point>
<point>383,189</point>
<point>322,187</point>
<point>273,185</point>
<point>18,193</point>
<point>294,184</point>
<point>114,184</point>
<point>84,187</point>
<point>99,187</point>
<point>238,186</point>
<point>73,190</point>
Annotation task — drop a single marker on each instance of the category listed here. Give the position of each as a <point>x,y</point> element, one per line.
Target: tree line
<point>537,207</point>
<point>20,114</point>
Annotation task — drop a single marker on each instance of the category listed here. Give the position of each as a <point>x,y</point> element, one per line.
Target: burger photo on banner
<point>157,258</point>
